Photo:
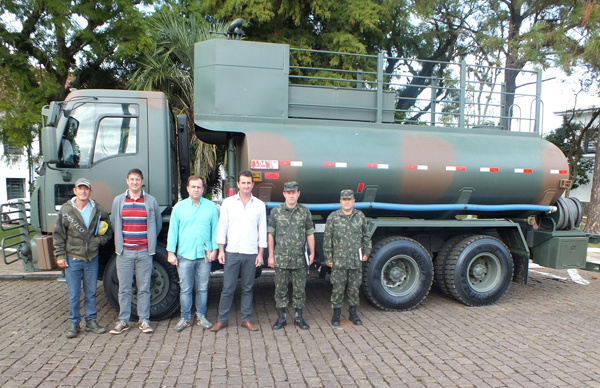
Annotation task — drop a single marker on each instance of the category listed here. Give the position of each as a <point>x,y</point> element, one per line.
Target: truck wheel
<point>479,270</point>
<point>398,275</point>
<point>111,282</point>
<point>439,263</point>
<point>164,289</point>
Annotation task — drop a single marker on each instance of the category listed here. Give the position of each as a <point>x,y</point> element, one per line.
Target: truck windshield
<point>96,131</point>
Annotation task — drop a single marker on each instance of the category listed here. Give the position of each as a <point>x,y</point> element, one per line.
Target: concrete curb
<point>32,276</point>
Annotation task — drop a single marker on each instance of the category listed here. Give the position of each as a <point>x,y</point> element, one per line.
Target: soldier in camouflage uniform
<point>290,225</point>
<point>345,244</point>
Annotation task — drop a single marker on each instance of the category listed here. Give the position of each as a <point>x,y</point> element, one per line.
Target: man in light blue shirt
<point>191,246</point>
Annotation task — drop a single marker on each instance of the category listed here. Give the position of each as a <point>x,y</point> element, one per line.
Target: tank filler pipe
<point>231,164</point>
<point>426,208</point>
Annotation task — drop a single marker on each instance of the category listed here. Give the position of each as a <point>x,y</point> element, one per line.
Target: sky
<point>559,94</point>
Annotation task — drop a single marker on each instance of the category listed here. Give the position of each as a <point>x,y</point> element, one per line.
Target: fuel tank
<point>400,164</point>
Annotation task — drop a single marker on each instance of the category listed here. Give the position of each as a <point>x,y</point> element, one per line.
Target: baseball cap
<point>347,194</point>
<point>83,182</point>
<point>290,186</point>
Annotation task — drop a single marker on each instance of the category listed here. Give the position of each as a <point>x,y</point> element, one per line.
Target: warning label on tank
<point>265,165</point>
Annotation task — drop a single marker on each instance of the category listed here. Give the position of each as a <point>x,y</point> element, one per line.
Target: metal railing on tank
<point>433,93</point>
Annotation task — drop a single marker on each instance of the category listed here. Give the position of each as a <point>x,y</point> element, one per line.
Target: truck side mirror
<point>184,153</point>
<point>50,114</point>
<point>49,145</point>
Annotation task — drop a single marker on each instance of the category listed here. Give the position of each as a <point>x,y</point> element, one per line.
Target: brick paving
<point>544,334</point>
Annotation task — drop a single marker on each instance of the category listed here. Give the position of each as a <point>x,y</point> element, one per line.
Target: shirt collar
<point>129,196</point>
<point>291,209</point>
<point>192,202</point>
<point>240,198</point>
<point>91,202</point>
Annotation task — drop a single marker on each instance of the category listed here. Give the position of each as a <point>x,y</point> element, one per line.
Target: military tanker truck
<point>463,197</point>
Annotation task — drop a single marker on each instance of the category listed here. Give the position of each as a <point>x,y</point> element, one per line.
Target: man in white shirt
<point>242,238</point>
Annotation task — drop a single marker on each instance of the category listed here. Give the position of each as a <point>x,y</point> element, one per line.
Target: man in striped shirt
<point>137,220</point>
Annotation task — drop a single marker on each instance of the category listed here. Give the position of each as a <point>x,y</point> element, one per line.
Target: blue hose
<point>425,208</point>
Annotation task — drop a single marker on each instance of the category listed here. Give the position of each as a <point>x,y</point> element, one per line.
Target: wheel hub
<point>399,276</point>
<point>479,271</point>
<point>158,286</point>
<point>484,272</point>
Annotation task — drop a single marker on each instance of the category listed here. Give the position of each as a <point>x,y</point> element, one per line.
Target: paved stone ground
<point>541,335</point>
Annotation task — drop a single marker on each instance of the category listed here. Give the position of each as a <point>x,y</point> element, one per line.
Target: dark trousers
<point>242,265</point>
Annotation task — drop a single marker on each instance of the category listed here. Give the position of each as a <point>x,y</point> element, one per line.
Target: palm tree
<point>168,66</point>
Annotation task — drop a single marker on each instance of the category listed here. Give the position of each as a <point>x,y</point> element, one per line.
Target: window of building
<point>15,188</point>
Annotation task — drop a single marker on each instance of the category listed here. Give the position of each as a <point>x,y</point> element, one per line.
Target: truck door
<point>103,139</point>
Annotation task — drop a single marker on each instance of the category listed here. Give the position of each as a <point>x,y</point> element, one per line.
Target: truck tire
<point>439,263</point>
<point>478,270</point>
<point>398,275</point>
<point>164,289</point>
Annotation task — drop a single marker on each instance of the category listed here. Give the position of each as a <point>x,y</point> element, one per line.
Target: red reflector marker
<point>361,186</point>
<point>271,175</point>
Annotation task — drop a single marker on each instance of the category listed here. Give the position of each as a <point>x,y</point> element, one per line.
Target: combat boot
<point>281,321</point>
<point>299,321</point>
<point>335,321</point>
<point>353,316</point>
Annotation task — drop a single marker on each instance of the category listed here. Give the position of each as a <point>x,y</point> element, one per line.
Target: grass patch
<point>8,233</point>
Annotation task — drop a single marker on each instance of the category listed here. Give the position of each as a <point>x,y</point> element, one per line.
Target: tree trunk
<point>593,217</point>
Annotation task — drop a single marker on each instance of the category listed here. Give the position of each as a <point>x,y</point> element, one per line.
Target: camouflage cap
<point>347,194</point>
<point>290,186</point>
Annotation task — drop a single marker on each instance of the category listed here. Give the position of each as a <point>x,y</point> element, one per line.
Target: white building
<point>15,177</point>
<point>583,117</point>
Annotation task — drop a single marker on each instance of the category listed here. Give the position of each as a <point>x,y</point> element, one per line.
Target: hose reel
<point>568,216</point>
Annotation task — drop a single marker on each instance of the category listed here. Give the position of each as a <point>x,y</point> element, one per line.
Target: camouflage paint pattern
<point>243,92</point>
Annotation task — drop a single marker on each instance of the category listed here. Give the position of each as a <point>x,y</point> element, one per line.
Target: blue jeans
<point>193,272</point>
<point>237,264</point>
<point>74,273</point>
<point>140,263</point>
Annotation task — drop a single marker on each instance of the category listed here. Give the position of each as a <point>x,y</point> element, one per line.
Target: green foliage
<point>167,63</point>
<point>572,138</point>
<point>45,43</point>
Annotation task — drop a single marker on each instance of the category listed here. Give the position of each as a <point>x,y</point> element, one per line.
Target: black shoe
<point>281,321</point>
<point>335,321</point>
<point>93,326</point>
<point>353,316</point>
<point>73,330</point>
<point>299,321</point>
